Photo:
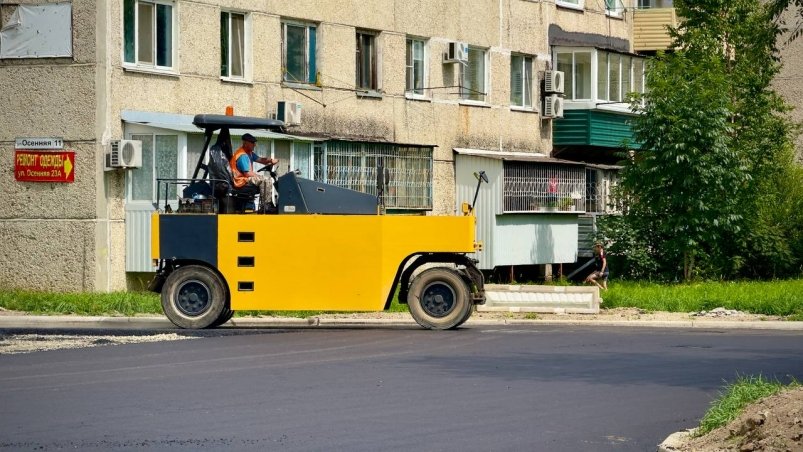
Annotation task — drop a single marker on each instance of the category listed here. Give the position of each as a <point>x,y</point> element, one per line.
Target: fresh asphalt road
<point>534,388</point>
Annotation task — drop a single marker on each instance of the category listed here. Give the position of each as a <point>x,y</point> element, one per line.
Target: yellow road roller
<point>315,246</point>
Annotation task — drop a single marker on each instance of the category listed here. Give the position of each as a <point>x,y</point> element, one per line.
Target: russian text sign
<point>43,166</point>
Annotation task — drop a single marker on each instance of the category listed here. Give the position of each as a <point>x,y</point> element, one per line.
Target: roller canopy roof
<point>215,122</point>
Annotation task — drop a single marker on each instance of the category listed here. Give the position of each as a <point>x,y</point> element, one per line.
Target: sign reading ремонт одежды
<point>43,160</point>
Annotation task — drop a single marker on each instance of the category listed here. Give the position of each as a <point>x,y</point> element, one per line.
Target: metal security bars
<point>354,165</point>
<point>542,187</point>
<point>599,186</point>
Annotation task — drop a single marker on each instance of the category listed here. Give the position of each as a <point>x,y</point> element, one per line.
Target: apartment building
<point>416,84</point>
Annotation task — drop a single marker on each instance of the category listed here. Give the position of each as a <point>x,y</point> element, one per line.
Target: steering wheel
<point>269,169</point>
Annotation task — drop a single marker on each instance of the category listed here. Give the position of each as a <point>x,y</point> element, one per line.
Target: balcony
<point>650,28</point>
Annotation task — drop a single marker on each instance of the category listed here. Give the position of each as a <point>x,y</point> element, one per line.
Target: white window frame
<point>596,98</point>
<point>486,82</point>
<point>617,11</point>
<point>308,59</point>
<point>174,29</point>
<point>408,92</point>
<point>181,160</point>
<point>593,74</point>
<point>247,74</point>
<point>571,4</point>
<point>526,87</point>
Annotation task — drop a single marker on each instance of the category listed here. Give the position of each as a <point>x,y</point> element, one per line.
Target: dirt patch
<point>27,343</point>
<point>771,424</point>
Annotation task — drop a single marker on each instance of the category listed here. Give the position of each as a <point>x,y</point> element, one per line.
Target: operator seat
<point>230,198</point>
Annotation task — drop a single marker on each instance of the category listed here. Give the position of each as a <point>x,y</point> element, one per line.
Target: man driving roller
<point>242,168</point>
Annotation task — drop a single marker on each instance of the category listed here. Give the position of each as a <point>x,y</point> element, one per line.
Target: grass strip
<point>737,396</point>
<point>780,298</point>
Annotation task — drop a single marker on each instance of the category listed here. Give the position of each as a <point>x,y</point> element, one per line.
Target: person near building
<point>601,270</point>
<point>242,169</point>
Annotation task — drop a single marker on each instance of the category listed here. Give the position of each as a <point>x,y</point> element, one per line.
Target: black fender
<point>466,268</point>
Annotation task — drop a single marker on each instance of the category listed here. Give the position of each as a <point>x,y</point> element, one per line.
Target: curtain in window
<point>237,45</point>
<point>312,73</point>
<point>166,160</point>
<point>302,154</point>
<point>565,66</point>
<point>602,75</point>
<point>614,78</point>
<point>626,78</point>
<point>142,180</point>
<point>224,44</point>
<point>516,80</point>
<point>164,35</point>
<point>474,75</point>
<point>281,151</point>
<point>638,75</point>
<point>582,75</point>
<point>366,64</point>
<point>128,31</point>
<point>145,33</point>
<point>295,53</point>
<point>415,66</point>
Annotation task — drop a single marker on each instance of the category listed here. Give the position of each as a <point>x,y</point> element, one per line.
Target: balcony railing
<point>650,28</point>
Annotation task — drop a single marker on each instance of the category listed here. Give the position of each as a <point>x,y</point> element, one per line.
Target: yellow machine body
<point>308,262</point>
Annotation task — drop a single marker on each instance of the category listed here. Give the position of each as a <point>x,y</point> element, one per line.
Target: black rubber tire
<point>225,316</point>
<point>439,299</point>
<point>194,297</point>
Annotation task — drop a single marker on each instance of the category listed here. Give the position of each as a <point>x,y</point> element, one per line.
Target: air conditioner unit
<point>553,82</point>
<point>553,106</point>
<point>457,52</point>
<point>124,154</point>
<point>289,112</point>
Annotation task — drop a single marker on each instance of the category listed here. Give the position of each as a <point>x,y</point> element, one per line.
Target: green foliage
<point>704,195</point>
<point>736,398</point>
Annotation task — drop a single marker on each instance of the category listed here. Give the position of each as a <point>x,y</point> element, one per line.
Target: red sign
<point>44,166</point>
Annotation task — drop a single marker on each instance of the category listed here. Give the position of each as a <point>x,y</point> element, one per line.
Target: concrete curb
<point>161,322</point>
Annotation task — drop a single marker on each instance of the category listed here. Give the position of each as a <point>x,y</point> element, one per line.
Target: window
<point>645,4</point>
<point>473,78</point>
<point>576,66</point>
<point>232,45</point>
<point>416,72</point>
<point>160,160</point>
<point>618,75</point>
<point>366,61</point>
<point>299,54</point>
<point>576,4</point>
<point>614,7</point>
<point>148,33</point>
<point>521,81</point>
<point>295,155</point>
<point>354,165</point>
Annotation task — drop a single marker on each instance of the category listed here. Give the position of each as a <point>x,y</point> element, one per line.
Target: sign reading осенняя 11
<point>44,166</point>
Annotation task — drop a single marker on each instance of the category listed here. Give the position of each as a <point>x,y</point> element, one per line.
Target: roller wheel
<point>194,297</point>
<point>439,299</point>
<point>225,316</point>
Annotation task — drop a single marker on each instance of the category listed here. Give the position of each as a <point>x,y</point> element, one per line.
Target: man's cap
<point>597,243</point>
<point>250,138</point>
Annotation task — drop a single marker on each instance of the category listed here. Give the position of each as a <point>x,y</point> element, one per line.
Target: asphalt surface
<point>484,387</point>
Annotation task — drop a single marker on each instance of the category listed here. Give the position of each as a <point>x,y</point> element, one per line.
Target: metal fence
<point>354,165</point>
<point>539,187</point>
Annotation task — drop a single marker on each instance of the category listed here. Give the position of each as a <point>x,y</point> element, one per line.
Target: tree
<point>712,135</point>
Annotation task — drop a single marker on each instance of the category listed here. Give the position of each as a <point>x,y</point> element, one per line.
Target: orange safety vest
<point>240,179</point>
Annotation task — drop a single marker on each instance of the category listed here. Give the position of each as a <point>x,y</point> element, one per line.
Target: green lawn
<point>783,298</point>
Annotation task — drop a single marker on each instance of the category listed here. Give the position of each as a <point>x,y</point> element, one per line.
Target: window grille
<point>539,187</point>
<point>599,187</point>
<point>354,166</point>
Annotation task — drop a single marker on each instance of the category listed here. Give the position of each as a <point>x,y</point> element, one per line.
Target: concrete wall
<point>80,225</point>
<point>789,82</point>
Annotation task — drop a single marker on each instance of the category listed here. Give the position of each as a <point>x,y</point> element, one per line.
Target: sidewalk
<point>391,320</point>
